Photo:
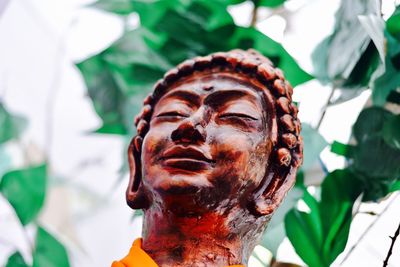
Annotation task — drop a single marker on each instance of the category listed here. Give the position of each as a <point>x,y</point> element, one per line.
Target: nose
<point>191,129</point>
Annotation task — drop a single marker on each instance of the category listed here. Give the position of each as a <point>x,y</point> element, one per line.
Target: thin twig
<point>254,14</point>
<point>328,102</point>
<point>393,238</point>
<point>368,229</point>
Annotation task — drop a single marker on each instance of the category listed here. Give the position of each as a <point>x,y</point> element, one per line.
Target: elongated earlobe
<point>136,197</point>
<point>268,198</point>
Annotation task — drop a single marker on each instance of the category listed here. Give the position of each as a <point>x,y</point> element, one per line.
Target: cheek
<point>241,156</point>
<point>153,144</point>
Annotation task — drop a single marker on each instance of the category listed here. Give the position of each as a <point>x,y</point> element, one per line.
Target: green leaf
<point>370,123</point>
<point>393,23</point>
<point>269,3</point>
<point>395,186</point>
<point>11,126</point>
<point>16,260</point>
<point>394,97</point>
<point>121,7</point>
<point>136,47</point>
<point>49,251</point>
<point>342,149</point>
<point>151,13</point>
<point>314,143</point>
<point>364,70</point>
<point>375,158</point>
<point>246,38</point>
<point>388,76</point>
<point>374,189</point>
<point>170,32</point>
<point>336,58</point>
<point>339,191</point>
<point>321,235</point>
<point>196,30</point>
<point>25,190</point>
<point>391,131</point>
<point>231,2</point>
<point>5,161</point>
<point>304,236</point>
<point>108,100</point>
<point>374,25</point>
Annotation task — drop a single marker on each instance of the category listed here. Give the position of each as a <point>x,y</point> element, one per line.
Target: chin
<point>181,182</point>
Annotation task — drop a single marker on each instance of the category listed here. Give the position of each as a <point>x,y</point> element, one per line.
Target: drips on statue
<point>216,151</point>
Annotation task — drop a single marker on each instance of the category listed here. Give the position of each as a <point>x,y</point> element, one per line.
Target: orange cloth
<point>137,257</point>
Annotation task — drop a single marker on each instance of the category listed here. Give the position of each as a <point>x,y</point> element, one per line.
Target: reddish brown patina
<point>217,149</point>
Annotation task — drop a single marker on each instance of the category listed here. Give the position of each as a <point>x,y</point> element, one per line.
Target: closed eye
<point>237,115</point>
<point>170,114</point>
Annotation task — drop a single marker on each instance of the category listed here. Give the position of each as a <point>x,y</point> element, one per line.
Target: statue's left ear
<point>271,194</point>
<point>136,197</point>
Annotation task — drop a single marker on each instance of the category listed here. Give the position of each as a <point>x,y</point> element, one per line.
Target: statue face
<point>208,134</point>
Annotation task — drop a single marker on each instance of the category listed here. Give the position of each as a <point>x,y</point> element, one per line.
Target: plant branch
<point>393,238</point>
<point>368,229</point>
<point>328,102</point>
<point>254,14</point>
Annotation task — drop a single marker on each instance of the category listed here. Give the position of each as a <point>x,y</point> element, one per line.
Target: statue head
<point>218,132</point>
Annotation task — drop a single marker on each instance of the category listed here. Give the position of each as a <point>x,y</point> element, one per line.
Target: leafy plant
<point>324,229</point>
<point>12,126</point>
<point>362,53</point>
<point>170,32</point>
<point>25,190</point>
<point>372,171</point>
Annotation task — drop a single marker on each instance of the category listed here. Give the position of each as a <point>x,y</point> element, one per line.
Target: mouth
<point>187,158</point>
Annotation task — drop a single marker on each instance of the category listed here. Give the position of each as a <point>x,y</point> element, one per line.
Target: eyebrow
<point>185,95</point>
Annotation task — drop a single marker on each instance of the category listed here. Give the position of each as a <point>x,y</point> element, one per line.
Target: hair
<point>287,143</point>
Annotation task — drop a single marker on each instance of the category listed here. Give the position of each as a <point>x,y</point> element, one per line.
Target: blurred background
<point>73,74</point>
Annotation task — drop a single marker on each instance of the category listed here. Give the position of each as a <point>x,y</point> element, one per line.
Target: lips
<point>189,158</point>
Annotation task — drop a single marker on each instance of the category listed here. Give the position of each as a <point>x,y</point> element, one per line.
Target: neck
<point>213,238</point>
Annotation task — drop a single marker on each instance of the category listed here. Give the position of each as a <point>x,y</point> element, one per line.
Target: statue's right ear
<point>135,193</point>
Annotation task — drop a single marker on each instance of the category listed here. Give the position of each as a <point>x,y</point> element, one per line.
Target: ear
<point>136,198</point>
<point>271,195</point>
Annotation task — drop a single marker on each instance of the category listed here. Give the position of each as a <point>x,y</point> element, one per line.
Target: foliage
<point>336,57</point>
<point>352,59</point>
<point>25,190</point>
<point>362,53</point>
<point>268,3</point>
<point>170,32</point>
<point>49,251</point>
<point>16,260</point>
<point>11,125</point>
<point>375,131</point>
<point>324,230</point>
<point>388,76</point>
<point>372,171</point>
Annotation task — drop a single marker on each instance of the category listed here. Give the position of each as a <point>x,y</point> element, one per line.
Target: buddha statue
<point>217,149</point>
